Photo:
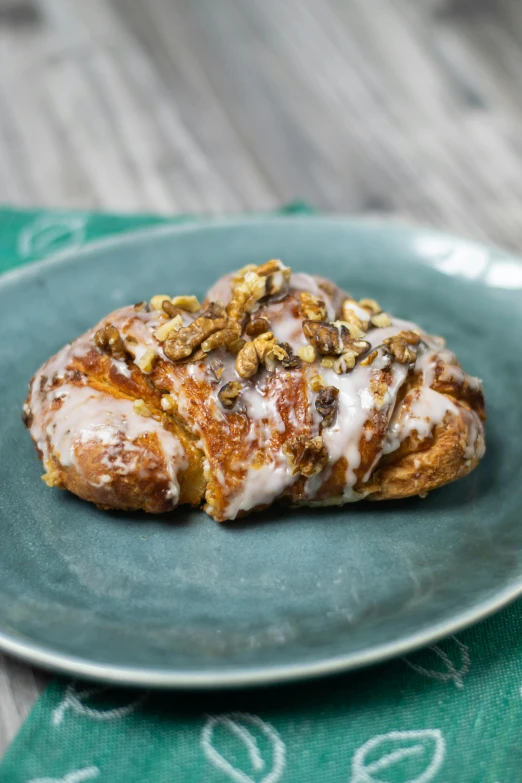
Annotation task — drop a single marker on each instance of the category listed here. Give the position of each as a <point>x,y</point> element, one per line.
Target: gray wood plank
<point>401,107</point>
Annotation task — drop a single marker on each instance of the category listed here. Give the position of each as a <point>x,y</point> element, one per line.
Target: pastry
<point>278,387</point>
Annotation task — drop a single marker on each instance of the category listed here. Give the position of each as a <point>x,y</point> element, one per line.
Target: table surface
<point>395,107</point>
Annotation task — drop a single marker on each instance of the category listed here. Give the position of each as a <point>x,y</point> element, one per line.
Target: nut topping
<point>180,344</point>
<point>379,389</point>
<point>307,353</point>
<point>157,301</point>
<point>188,303</point>
<point>368,360</point>
<point>235,346</point>
<point>326,404</point>
<point>163,331</point>
<point>371,305</point>
<point>412,338</point>
<point>257,326</point>
<point>317,382</point>
<point>399,348</point>
<point>381,320</point>
<point>332,338</point>
<point>228,394</point>
<point>311,307</point>
<point>247,361</point>
<point>306,456</point>
<point>222,338</point>
<point>169,309</point>
<point>141,408</point>
<point>142,307</point>
<point>108,340</point>
<point>351,317</point>
<point>291,361</point>
<point>345,362</point>
<point>146,362</point>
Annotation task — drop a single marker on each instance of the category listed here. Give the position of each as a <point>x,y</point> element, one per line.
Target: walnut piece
<point>327,403</point>
<point>351,317</point>
<point>399,348</point>
<point>332,338</point>
<point>311,307</point>
<point>247,361</point>
<point>142,307</point>
<point>108,340</point>
<point>157,301</point>
<point>228,394</point>
<point>381,320</point>
<point>163,331</point>
<point>317,382</point>
<point>307,456</point>
<point>169,309</point>
<point>222,338</point>
<point>307,353</point>
<point>257,326</point>
<point>371,305</point>
<point>291,361</point>
<point>368,360</point>
<point>188,303</point>
<point>379,389</point>
<point>180,344</point>
<point>235,346</point>
<point>146,361</point>
<point>412,338</point>
<point>345,362</point>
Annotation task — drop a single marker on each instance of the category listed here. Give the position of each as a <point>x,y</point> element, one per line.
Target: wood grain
<point>398,107</point>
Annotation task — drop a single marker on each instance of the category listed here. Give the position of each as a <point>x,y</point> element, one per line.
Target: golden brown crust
<point>217,439</point>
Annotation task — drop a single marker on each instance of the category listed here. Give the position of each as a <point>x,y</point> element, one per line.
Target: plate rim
<point>151,677</point>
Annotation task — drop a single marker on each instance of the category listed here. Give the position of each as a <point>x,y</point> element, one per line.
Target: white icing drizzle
<point>88,415</point>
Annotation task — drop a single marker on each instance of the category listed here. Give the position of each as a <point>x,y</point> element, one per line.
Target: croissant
<point>279,387</point>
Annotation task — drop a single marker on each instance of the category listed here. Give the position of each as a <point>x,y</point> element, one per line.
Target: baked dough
<point>279,387</point>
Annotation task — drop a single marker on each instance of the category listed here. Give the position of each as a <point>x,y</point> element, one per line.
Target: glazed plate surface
<point>181,601</point>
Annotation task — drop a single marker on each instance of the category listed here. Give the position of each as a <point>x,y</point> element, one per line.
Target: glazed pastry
<point>279,387</point>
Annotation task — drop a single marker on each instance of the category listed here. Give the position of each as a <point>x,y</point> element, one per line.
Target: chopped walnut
<point>228,394</point>
<point>180,344</point>
<point>146,362</point>
<point>221,339</point>
<point>239,276</point>
<point>157,301</point>
<point>311,307</point>
<point>141,408</point>
<point>345,362</point>
<point>163,331</point>
<point>265,348</point>
<point>399,348</point>
<point>169,309</point>
<point>108,340</point>
<point>326,404</point>
<point>351,317</point>
<point>328,362</point>
<point>412,338</point>
<point>257,326</point>
<point>371,305</point>
<point>317,382</point>
<point>379,389</point>
<point>291,361</point>
<point>381,320</point>
<point>306,456</point>
<point>331,339</point>
<point>142,307</point>
<point>307,353</point>
<point>246,295</point>
<point>368,360</point>
<point>189,303</point>
<point>355,331</point>
<point>247,361</point>
<point>235,346</point>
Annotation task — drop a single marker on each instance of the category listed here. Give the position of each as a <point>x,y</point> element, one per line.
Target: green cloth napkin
<point>450,714</point>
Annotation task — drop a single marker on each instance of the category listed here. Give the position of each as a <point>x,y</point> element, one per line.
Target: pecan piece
<point>180,344</point>
<point>247,361</point>
<point>311,307</point>
<point>108,340</point>
<point>327,403</point>
<point>399,348</point>
<point>307,456</point>
<point>228,394</point>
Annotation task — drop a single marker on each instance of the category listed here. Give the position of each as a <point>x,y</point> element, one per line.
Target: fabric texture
<point>451,713</point>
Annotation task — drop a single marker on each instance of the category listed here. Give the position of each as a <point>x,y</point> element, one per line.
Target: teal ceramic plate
<point>183,601</point>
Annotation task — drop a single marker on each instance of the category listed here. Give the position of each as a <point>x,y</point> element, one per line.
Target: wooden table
<point>397,107</point>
